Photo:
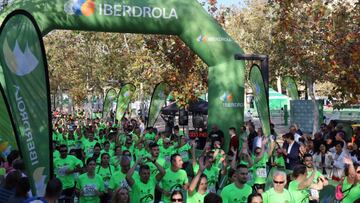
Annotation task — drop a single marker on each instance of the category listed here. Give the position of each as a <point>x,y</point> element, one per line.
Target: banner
<point>25,71</point>
<point>291,87</point>
<point>124,98</point>
<point>261,102</point>
<point>110,99</point>
<point>158,100</point>
<point>7,128</point>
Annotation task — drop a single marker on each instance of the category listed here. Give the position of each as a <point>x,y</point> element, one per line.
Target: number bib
<point>89,190</point>
<point>261,172</point>
<point>62,171</point>
<point>314,194</point>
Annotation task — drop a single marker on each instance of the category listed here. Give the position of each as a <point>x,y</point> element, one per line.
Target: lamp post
<point>264,60</point>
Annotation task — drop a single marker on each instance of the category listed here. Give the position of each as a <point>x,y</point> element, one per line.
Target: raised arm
<point>308,182</point>
<point>196,179</point>
<point>130,173</point>
<point>161,173</point>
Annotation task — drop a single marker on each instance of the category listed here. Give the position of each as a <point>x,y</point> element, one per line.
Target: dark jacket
<point>293,156</point>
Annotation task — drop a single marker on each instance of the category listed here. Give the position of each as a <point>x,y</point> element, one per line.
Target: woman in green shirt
<point>105,170</point>
<point>200,182</point>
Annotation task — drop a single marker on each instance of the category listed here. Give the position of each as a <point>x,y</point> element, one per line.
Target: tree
<point>308,36</point>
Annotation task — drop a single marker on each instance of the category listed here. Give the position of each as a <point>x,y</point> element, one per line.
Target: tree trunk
<point>278,84</point>
<point>311,90</point>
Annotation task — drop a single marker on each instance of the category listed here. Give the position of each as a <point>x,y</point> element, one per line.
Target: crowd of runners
<point>105,161</point>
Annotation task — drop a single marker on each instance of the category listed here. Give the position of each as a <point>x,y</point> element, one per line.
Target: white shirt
<point>289,150</point>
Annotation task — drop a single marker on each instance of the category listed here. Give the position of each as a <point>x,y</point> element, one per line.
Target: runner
<point>65,167</point>
<point>90,186</point>
<point>174,179</point>
<point>143,188</point>
<point>239,190</point>
<point>278,193</point>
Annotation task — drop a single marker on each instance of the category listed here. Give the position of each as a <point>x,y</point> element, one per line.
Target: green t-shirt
<point>143,193</point>
<point>317,175</point>
<point>233,194</point>
<point>116,180</point>
<point>259,169</point>
<point>352,194</point>
<point>184,152</point>
<point>196,198</point>
<point>88,186</point>
<point>173,181</point>
<point>150,136</point>
<point>140,152</point>
<point>105,173</point>
<point>62,165</point>
<point>153,170</point>
<point>271,196</point>
<point>280,161</point>
<point>88,147</point>
<point>56,154</point>
<point>300,196</point>
<point>130,149</point>
<point>212,175</point>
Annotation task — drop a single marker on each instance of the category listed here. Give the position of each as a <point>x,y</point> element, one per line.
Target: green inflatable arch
<point>25,22</point>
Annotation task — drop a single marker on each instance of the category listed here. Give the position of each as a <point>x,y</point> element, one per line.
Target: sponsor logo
<point>257,89</point>
<point>127,94</point>
<point>25,124</point>
<point>227,99</point>
<point>161,94</point>
<point>204,39</point>
<point>80,7</point>
<point>18,61</point>
<point>88,7</point>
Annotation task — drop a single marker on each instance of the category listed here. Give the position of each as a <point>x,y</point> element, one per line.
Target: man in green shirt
<point>318,180</point>
<point>278,193</point>
<point>238,191</point>
<point>143,190</point>
<point>118,178</point>
<point>65,167</point>
<point>174,179</point>
<point>155,151</point>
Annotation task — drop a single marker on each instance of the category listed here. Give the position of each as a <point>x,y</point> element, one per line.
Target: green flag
<point>124,98</point>
<point>291,87</point>
<point>110,99</point>
<point>7,132</point>
<point>24,67</point>
<point>158,100</point>
<point>261,102</point>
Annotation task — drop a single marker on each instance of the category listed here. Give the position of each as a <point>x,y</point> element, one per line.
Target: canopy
<point>277,100</point>
<point>199,106</point>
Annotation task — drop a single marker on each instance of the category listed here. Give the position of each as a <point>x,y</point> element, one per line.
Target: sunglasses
<point>176,200</point>
<point>278,182</point>
<point>63,150</point>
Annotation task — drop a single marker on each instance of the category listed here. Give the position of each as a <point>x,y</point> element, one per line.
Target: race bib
<point>89,190</point>
<point>314,194</point>
<point>261,172</point>
<point>62,171</point>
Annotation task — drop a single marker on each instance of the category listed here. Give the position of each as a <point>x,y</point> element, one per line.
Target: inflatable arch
<point>24,67</point>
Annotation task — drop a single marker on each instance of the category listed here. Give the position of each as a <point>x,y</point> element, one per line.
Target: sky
<point>230,2</point>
